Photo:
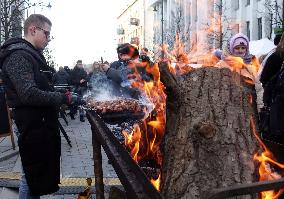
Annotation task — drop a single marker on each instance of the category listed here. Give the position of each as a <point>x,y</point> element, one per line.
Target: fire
<point>267,162</point>
<point>143,142</point>
<point>133,140</point>
<point>157,182</point>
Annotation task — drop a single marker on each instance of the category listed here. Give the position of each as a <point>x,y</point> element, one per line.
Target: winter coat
<point>35,113</point>
<point>119,71</point>
<point>119,74</point>
<point>76,75</point>
<point>61,77</point>
<point>270,66</point>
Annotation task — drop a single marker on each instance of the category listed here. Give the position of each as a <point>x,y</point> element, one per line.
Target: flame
<point>157,182</point>
<point>144,140</point>
<point>133,141</point>
<point>266,160</point>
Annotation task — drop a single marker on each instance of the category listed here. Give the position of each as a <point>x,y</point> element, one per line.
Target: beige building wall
<point>131,23</point>
<point>248,16</point>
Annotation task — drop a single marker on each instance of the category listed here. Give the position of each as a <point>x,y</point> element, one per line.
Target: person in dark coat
<point>35,105</point>
<point>79,78</point>
<point>272,81</point>
<point>273,60</point>
<point>121,71</point>
<point>61,77</point>
<point>79,75</point>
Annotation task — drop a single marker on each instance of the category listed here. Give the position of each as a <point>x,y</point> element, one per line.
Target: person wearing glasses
<point>35,105</point>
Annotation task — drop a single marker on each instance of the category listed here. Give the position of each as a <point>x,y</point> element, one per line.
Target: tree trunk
<point>208,142</point>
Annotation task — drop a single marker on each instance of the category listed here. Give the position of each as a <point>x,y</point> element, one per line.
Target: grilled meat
<point>117,105</point>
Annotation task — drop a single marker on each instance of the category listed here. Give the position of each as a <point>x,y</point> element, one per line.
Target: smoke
<point>102,88</point>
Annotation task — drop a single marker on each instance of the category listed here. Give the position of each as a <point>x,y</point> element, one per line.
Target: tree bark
<point>208,142</point>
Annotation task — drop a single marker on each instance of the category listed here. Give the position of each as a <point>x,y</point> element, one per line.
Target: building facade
<point>202,25</point>
<point>131,24</point>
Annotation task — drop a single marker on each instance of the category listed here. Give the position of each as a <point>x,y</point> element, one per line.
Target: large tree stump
<point>208,141</point>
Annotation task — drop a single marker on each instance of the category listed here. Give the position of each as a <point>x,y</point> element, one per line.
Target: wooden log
<point>208,141</point>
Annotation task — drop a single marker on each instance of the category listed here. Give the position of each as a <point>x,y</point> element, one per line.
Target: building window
<point>236,28</point>
<point>259,27</point>
<point>248,2</point>
<point>248,29</point>
<point>237,4</point>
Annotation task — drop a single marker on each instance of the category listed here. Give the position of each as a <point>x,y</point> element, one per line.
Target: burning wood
<point>208,141</point>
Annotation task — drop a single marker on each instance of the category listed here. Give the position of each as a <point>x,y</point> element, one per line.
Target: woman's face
<point>240,50</point>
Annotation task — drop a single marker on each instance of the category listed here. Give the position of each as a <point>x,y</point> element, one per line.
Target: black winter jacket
<point>119,73</point>
<point>77,74</point>
<point>271,65</point>
<point>35,114</point>
<point>61,77</point>
<point>25,81</point>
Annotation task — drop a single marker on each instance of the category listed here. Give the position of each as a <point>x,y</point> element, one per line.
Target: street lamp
<point>49,6</point>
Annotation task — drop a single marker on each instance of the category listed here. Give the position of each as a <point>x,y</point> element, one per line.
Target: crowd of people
<point>29,84</point>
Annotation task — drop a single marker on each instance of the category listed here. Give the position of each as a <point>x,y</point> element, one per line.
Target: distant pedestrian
<point>79,77</point>
<point>61,77</point>
<point>35,106</point>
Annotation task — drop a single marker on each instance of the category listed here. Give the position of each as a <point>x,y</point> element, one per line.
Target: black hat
<point>123,48</point>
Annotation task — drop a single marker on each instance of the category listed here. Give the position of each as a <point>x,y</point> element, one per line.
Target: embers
<point>150,168</point>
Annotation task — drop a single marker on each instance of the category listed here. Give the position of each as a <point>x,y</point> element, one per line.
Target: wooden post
<point>5,116</point>
<point>97,156</point>
<point>11,129</point>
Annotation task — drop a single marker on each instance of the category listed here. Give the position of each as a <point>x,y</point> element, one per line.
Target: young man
<point>35,107</point>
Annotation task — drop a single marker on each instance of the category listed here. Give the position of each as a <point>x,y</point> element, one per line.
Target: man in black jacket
<point>61,77</point>
<point>79,79</point>
<point>35,106</point>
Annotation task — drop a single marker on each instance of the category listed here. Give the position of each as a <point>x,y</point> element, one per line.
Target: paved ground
<point>76,162</point>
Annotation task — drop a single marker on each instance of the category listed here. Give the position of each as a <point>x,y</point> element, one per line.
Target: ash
<point>117,129</point>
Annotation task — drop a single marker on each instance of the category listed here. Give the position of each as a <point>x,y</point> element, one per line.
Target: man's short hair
<point>79,61</point>
<point>37,20</point>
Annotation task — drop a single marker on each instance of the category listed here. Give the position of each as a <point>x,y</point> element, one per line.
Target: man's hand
<point>105,67</point>
<point>82,81</point>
